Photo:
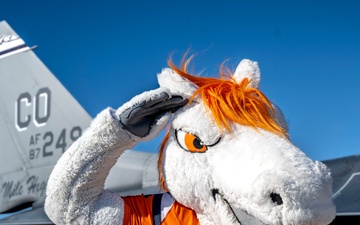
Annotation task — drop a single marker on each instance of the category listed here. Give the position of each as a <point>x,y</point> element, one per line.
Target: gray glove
<point>139,118</point>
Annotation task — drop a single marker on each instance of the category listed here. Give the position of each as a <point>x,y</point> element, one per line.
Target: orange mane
<point>228,102</point>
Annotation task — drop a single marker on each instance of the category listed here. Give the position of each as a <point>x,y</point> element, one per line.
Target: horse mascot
<point>226,159</point>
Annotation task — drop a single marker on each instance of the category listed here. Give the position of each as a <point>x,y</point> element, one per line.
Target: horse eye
<point>190,142</point>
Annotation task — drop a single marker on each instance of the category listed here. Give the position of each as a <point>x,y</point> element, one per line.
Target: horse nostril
<point>276,198</point>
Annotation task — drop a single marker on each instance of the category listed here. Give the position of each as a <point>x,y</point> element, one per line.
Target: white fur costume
<point>235,177</point>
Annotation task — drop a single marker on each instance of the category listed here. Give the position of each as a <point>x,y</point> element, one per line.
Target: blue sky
<point>308,51</point>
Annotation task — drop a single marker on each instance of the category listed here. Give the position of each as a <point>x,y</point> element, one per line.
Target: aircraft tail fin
<point>39,120</point>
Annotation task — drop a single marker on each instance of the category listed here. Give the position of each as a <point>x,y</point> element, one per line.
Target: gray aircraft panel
<point>28,217</point>
<point>346,184</point>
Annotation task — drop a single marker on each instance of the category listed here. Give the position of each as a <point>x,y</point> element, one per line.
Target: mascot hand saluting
<point>226,159</point>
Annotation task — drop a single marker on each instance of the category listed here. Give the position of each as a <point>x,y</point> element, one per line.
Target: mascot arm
<point>75,193</point>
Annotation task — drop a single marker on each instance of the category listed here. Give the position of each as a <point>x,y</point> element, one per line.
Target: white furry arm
<point>75,193</point>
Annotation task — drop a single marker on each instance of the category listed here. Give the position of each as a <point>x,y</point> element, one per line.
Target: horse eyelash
<point>203,143</point>
<point>218,140</point>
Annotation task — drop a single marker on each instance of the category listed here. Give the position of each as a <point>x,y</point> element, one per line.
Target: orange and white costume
<point>226,160</point>
<point>160,209</point>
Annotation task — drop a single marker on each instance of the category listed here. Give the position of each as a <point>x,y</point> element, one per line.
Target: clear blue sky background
<point>105,52</point>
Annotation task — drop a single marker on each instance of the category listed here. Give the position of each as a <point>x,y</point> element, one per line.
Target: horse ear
<point>176,83</point>
<point>248,69</point>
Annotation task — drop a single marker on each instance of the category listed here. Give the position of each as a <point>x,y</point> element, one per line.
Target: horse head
<point>227,155</point>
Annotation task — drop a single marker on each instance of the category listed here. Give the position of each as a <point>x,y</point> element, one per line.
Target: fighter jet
<point>39,120</point>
